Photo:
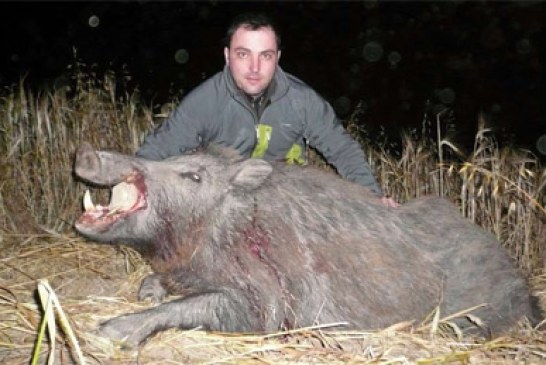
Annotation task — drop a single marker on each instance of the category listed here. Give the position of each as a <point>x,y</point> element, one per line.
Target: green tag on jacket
<point>263,134</point>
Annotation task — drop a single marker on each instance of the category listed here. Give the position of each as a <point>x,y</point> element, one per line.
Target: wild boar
<point>251,246</point>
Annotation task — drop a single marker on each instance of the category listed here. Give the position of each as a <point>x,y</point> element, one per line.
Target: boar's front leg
<point>223,310</point>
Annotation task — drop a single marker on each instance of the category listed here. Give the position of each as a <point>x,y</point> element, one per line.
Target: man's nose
<point>255,64</point>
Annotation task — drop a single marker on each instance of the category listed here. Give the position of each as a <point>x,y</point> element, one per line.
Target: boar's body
<point>252,247</point>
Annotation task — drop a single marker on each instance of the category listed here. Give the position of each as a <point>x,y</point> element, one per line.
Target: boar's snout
<point>103,167</point>
<point>87,162</point>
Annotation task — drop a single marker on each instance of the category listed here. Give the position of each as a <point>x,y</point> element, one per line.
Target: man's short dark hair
<point>252,21</point>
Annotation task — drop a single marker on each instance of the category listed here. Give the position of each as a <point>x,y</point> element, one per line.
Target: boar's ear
<point>250,174</point>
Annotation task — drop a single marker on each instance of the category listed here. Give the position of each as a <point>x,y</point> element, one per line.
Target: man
<point>256,108</point>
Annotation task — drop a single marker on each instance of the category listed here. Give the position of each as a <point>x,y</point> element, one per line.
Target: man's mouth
<point>253,78</point>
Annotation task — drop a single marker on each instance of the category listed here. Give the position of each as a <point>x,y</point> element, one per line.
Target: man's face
<point>252,58</point>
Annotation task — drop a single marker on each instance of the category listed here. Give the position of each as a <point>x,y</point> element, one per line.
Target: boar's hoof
<point>151,289</point>
<point>123,329</point>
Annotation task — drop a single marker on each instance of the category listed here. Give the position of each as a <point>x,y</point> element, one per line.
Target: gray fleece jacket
<point>218,112</point>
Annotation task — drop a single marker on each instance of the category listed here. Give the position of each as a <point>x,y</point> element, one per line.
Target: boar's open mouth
<point>126,198</point>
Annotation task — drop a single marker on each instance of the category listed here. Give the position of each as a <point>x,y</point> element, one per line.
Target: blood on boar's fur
<point>249,246</point>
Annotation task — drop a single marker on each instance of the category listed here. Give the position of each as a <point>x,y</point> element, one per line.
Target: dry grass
<point>45,268</point>
<point>96,282</point>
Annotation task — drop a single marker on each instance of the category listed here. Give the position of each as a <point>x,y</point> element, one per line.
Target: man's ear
<point>226,55</point>
<point>278,56</point>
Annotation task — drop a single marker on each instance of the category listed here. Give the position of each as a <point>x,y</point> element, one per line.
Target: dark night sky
<point>399,59</point>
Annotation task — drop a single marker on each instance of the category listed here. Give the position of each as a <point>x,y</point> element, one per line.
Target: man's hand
<point>389,202</point>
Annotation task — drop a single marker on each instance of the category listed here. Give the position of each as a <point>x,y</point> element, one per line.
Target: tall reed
<point>39,135</point>
<point>502,189</point>
<point>499,188</point>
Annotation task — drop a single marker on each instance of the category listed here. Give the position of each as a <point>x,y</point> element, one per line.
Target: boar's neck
<point>174,247</point>
<point>198,242</point>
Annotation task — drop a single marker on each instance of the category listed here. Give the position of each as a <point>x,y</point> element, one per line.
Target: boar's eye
<point>193,176</point>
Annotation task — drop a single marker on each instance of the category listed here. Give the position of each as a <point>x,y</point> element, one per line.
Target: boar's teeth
<point>113,211</point>
<point>87,202</point>
<point>124,196</point>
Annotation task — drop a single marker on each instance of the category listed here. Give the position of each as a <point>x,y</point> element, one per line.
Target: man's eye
<point>270,56</point>
<point>241,54</point>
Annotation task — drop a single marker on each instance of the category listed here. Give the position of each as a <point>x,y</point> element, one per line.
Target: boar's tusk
<point>87,202</point>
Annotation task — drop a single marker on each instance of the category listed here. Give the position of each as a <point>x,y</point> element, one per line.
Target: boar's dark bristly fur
<point>250,246</point>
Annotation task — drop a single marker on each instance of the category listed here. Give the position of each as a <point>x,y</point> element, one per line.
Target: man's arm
<point>177,134</point>
<point>325,133</point>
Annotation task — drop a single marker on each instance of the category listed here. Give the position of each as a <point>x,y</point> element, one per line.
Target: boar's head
<point>150,197</point>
